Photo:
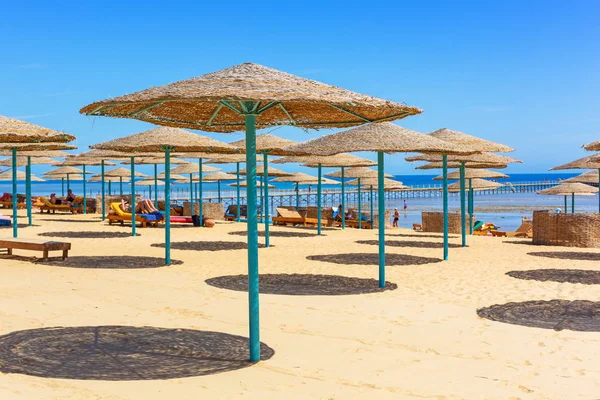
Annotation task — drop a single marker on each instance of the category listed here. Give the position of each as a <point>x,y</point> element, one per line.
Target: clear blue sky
<point>524,73</point>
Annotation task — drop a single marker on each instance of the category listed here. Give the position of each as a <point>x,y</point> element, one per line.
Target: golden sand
<point>423,340</point>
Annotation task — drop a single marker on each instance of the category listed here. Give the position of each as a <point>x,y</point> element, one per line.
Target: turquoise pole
<point>167,151</point>
<point>68,182</point>
<point>237,190</point>
<point>371,200</point>
<point>252,227</point>
<point>297,197</point>
<point>343,211</point>
<point>28,190</point>
<point>103,191</point>
<point>109,186</point>
<point>62,180</point>
<point>572,203</point>
<point>219,190</point>
<point>121,186</point>
<point>566,206</point>
<point>132,200</point>
<point>262,207</point>
<point>150,191</point>
<point>471,206</point>
<point>84,194</point>
<point>381,218</point>
<point>156,186</point>
<point>445,199</point>
<point>14,191</point>
<point>463,212</point>
<point>359,207</point>
<point>266,213</point>
<point>319,178</point>
<point>191,195</point>
<point>200,192</point>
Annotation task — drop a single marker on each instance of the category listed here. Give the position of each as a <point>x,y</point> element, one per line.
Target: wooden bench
<point>37,245</point>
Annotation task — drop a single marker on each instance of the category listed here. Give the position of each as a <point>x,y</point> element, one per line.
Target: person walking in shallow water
<point>396,218</point>
<point>405,206</point>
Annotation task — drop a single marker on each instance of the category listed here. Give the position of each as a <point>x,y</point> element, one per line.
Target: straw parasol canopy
<point>357,172</point>
<point>155,140</point>
<point>152,160</point>
<point>16,131</point>
<point>564,189</point>
<point>219,176</point>
<point>476,184</point>
<point>594,146</point>
<point>122,172</point>
<point>76,160</point>
<point>388,184</point>
<point>472,142</point>
<point>192,168</point>
<point>336,160</point>
<point>22,161</point>
<point>35,154</point>
<point>105,155</point>
<point>29,147</point>
<point>305,179</point>
<point>271,144</point>
<point>149,182</point>
<point>98,178</point>
<point>483,158</point>
<point>209,102</point>
<point>72,177</point>
<point>65,170</point>
<point>174,177</point>
<point>586,177</point>
<point>260,171</point>
<point>473,174</point>
<point>243,184</point>
<point>21,176</point>
<point>588,162</point>
<point>384,137</point>
<point>228,158</point>
<point>456,164</point>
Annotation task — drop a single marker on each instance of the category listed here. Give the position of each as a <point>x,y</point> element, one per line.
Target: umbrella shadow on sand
<point>585,277</point>
<point>285,234</point>
<point>567,255</point>
<point>418,235</point>
<point>409,243</point>
<point>302,284</point>
<point>87,235</point>
<point>123,353</point>
<point>207,246</point>
<point>373,259</point>
<point>100,262</point>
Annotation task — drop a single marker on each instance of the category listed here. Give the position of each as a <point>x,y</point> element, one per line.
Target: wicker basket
<point>434,222</point>
<point>572,230</point>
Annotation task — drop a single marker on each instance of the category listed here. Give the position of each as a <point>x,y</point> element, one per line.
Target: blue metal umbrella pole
<point>359,207</point>
<point>463,212</point>
<point>191,194</point>
<point>200,193</point>
<point>167,150</point>
<point>266,212</point>
<point>445,200</point>
<point>237,190</point>
<point>156,186</point>
<point>371,200</point>
<point>572,203</point>
<point>121,186</point>
<point>68,182</point>
<point>566,206</point>
<point>109,187</point>
<point>381,218</point>
<point>132,200</point>
<point>84,194</point>
<point>14,191</point>
<point>219,191</point>
<point>103,191</point>
<point>319,177</point>
<point>297,197</point>
<point>262,206</point>
<point>470,201</point>
<point>62,181</point>
<point>343,210</point>
<point>28,190</point>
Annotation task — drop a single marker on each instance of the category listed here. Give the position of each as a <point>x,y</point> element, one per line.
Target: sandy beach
<point>421,340</point>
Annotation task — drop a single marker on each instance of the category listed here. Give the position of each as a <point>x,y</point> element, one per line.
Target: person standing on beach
<point>396,218</point>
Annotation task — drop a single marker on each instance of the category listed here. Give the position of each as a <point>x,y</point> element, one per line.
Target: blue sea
<point>513,206</point>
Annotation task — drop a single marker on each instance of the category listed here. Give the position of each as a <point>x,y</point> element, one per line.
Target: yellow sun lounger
<point>121,216</point>
<point>47,206</point>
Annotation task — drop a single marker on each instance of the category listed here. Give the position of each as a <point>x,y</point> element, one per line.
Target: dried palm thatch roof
<point>73,177</point>
<point>357,172</point>
<point>32,154</point>
<point>210,102</point>
<point>473,174</point>
<point>243,184</point>
<point>108,155</point>
<point>78,161</point>
<point>586,177</point>
<point>305,179</point>
<point>388,184</point>
<point>149,182</point>
<point>174,177</point>
<point>123,172</point>
<point>65,170</point>
<point>219,176</point>
<point>192,168</point>
<point>21,176</point>
<point>22,147</point>
<point>230,158</point>
<point>337,160</point>
<point>22,161</point>
<point>594,146</point>
<point>385,137</point>
<point>481,158</point>
<point>564,189</point>
<point>16,131</point>
<point>98,178</point>
<point>273,145</point>
<point>476,184</point>
<point>155,140</point>
<point>587,162</point>
<point>472,142</point>
<point>260,171</point>
<point>153,160</point>
<point>456,164</point>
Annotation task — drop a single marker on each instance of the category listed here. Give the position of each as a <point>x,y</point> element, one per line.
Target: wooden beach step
<point>44,246</point>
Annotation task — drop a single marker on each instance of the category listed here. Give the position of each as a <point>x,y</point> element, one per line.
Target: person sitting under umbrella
<point>143,207</point>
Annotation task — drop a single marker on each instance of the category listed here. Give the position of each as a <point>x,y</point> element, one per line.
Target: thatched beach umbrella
<point>122,173</point>
<point>246,97</point>
<point>587,177</point>
<point>162,139</point>
<point>245,184</point>
<point>594,146</point>
<point>381,138</point>
<point>371,183</point>
<point>65,172</point>
<point>84,162</point>
<point>589,162</point>
<point>572,189</point>
<point>21,176</point>
<point>218,177</point>
<point>300,178</point>
<point>191,169</point>
<point>475,184</point>
<point>473,174</point>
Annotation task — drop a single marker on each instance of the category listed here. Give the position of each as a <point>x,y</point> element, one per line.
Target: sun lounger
<point>231,212</point>
<point>37,245</point>
<point>77,205</point>
<point>121,216</point>
<point>524,231</point>
<point>285,217</point>
<point>47,206</point>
